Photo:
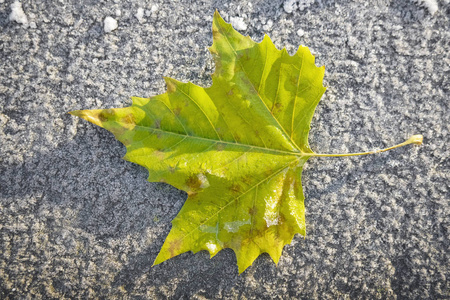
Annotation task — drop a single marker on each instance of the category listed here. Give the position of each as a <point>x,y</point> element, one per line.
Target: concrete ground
<point>77,221</point>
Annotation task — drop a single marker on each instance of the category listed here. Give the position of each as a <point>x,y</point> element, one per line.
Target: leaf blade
<point>237,148</point>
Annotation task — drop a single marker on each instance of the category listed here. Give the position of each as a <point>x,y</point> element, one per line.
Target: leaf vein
<point>201,109</point>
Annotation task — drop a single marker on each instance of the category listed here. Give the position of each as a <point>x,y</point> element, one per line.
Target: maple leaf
<point>237,148</point>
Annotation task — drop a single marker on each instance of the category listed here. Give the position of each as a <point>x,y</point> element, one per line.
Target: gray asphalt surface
<point>76,221</point>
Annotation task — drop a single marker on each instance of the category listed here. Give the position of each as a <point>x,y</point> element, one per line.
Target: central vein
<point>246,146</point>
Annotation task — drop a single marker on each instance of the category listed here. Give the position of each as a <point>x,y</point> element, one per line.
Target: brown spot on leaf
<point>157,124</point>
<point>193,182</point>
<point>177,111</point>
<point>174,246</point>
<point>268,172</point>
<point>105,115</point>
<point>101,117</point>
<point>277,107</point>
<point>294,80</point>
<point>235,188</point>
<point>129,119</point>
<point>216,34</point>
<point>220,147</point>
<point>230,93</point>
<point>159,154</point>
<point>247,179</point>
<point>276,237</point>
<point>252,211</point>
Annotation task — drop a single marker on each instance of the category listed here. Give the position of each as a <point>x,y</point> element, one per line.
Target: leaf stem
<point>415,139</point>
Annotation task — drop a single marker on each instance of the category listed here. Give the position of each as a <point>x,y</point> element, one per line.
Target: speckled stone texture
<point>77,221</point>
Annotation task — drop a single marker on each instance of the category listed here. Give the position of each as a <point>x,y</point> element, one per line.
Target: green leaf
<point>237,148</point>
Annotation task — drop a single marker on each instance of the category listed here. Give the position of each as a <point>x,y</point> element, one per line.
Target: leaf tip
<point>267,38</point>
<point>75,113</point>
<point>275,258</point>
<point>95,116</point>
<point>171,84</point>
<point>218,22</point>
<point>84,114</point>
<point>218,17</point>
<point>158,260</point>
